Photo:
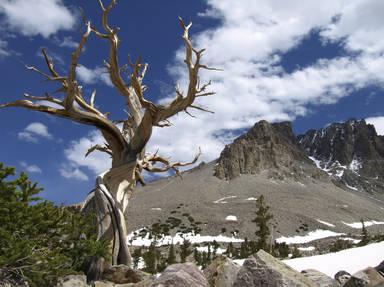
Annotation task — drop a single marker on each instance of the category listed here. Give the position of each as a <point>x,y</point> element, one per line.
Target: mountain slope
<point>267,160</point>
<point>351,152</point>
<point>271,147</point>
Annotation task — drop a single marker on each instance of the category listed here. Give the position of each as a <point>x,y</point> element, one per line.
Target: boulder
<point>122,274</point>
<point>181,275</point>
<point>262,270</point>
<point>380,268</point>
<point>72,281</point>
<point>342,276</point>
<point>368,277</point>
<point>321,279</point>
<point>222,272</point>
<point>145,283</point>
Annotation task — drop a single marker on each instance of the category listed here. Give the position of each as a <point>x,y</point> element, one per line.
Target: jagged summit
<point>351,152</point>
<point>265,147</point>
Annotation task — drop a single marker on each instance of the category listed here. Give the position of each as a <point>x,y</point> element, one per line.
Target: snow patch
<point>350,260</point>
<point>231,218</point>
<point>156,208</point>
<point>222,200</point>
<point>355,165</point>
<point>311,236</point>
<point>251,199</point>
<point>135,240</point>
<point>309,248</point>
<point>351,187</point>
<point>354,241</point>
<point>325,223</point>
<point>205,249</point>
<point>358,225</point>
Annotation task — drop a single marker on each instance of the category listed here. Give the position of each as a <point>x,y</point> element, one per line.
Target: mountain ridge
<point>301,195</point>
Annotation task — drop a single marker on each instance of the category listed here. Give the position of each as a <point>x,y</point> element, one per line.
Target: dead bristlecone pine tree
<point>125,140</point>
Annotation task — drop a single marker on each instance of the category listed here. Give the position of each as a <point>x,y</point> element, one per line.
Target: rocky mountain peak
<point>265,146</point>
<point>351,152</point>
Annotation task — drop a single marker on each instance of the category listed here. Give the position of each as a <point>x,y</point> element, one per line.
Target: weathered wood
<point>125,145</point>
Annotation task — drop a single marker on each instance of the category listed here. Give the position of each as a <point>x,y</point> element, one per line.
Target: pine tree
<point>171,255</point>
<point>40,241</point>
<point>185,250</point>
<point>365,238</point>
<point>230,250</point>
<point>262,218</point>
<point>197,256</point>
<point>244,249</point>
<point>296,253</point>
<point>136,255</point>
<point>150,259</point>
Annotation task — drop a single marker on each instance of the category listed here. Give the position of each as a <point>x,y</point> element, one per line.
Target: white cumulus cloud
<point>378,123</point>
<point>93,76</point>
<point>32,168</point>
<point>34,131</point>
<point>248,44</point>
<point>72,172</point>
<point>37,17</point>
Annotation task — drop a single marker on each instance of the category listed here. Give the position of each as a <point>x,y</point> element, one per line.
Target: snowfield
<point>313,235</point>
<point>325,223</point>
<point>231,218</point>
<point>350,260</point>
<point>135,240</point>
<point>359,225</point>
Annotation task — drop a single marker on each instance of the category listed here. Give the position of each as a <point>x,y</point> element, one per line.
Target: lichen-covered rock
<point>72,281</point>
<point>263,270</point>
<point>121,274</point>
<point>368,277</point>
<point>222,272</point>
<point>342,277</point>
<point>321,279</point>
<point>181,275</point>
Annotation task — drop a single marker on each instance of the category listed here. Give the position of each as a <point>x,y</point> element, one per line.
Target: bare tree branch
<point>101,148</point>
<point>149,162</point>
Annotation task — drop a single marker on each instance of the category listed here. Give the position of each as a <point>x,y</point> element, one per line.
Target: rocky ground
<point>270,160</point>
<point>259,270</point>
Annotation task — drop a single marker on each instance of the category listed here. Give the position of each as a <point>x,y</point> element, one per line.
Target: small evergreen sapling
<point>263,216</point>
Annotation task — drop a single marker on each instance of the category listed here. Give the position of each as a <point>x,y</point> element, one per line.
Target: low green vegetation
<point>39,240</point>
<point>156,258</point>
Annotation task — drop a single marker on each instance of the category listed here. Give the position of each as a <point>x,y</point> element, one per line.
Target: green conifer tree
<point>263,216</point>
<point>38,240</point>
<point>365,238</point>
<point>171,255</point>
<point>185,250</point>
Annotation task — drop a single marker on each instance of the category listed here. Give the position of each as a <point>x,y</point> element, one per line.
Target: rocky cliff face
<point>265,147</point>
<point>351,153</point>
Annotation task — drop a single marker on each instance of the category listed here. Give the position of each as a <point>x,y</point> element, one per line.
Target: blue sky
<point>309,62</point>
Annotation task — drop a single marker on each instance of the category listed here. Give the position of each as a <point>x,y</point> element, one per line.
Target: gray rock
<point>181,275</point>
<point>72,281</point>
<point>221,272</point>
<point>342,277</point>
<point>145,283</point>
<point>122,274</point>
<point>264,147</point>
<point>263,270</point>
<point>380,268</point>
<point>321,279</point>
<point>368,277</point>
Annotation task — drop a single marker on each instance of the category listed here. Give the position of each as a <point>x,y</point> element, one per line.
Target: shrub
<point>40,241</point>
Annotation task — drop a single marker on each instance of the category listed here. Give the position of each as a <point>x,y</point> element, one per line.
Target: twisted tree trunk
<point>125,144</point>
<point>108,202</point>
